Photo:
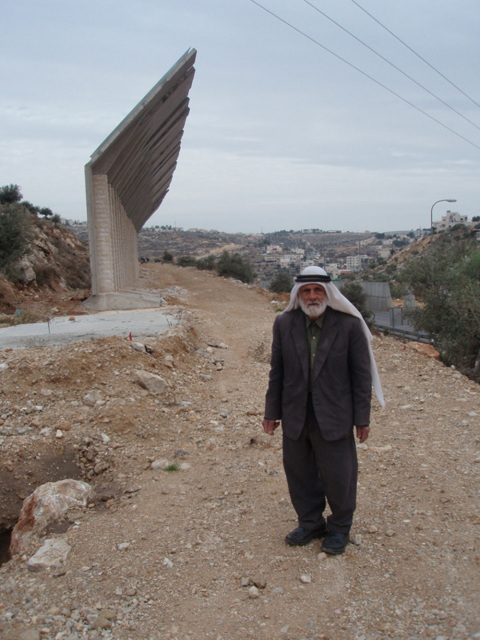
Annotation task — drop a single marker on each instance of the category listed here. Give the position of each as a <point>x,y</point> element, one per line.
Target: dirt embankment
<point>175,554</point>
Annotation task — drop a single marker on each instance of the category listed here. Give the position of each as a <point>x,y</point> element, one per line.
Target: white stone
<point>47,504</point>
<point>150,381</point>
<point>52,554</point>
<point>92,398</point>
<point>160,465</point>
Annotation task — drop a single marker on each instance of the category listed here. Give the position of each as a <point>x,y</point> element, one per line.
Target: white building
<point>333,270</point>
<point>273,248</point>
<point>289,258</point>
<point>355,262</point>
<point>450,220</point>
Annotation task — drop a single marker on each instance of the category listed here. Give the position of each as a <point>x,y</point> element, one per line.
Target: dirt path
<point>174,555</point>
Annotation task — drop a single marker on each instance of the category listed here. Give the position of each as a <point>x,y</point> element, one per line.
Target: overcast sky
<point>281,134</point>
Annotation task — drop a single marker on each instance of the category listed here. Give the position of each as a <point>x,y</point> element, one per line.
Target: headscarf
<point>336,300</point>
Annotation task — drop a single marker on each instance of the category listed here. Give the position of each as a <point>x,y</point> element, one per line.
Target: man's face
<point>313,300</point>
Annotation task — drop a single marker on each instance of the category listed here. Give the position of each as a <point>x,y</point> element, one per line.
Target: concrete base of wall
<point>123,301</point>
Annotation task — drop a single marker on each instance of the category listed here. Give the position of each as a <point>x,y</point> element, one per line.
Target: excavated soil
<point>192,546</point>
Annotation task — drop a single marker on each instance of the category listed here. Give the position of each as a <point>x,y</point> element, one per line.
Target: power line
<point>364,73</point>
<point>406,75</point>
<point>416,54</point>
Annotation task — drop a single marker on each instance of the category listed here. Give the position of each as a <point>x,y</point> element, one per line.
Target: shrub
<point>187,261</point>
<point>235,266</point>
<point>56,219</point>
<point>16,231</point>
<point>10,194</point>
<point>282,283</point>
<point>448,283</point>
<point>353,291</point>
<point>207,264</point>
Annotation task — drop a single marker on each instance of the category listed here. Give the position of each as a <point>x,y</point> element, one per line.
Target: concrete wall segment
<point>129,175</point>
<point>182,69</point>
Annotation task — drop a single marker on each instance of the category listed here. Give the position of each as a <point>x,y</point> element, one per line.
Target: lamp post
<point>431,215</point>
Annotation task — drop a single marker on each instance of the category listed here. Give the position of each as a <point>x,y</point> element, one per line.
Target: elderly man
<point>320,387</point>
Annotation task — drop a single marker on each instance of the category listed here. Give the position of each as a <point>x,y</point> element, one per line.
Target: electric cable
<point>364,73</point>
<point>416,54</point>
<point>352,35</point>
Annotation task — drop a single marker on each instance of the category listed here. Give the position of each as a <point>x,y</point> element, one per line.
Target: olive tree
<point>447,281</point>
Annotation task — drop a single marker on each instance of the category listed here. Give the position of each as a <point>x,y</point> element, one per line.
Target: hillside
<point>51,278</point>
<point>174,554</point>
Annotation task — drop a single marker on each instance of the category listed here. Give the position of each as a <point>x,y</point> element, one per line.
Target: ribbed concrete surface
<point>129,176</point>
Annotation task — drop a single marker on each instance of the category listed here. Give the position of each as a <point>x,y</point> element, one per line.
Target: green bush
<point>447,281</point>
<point>207,264</point>
<point>282,283</point>
<point>353,291</point>
<point>187,261</point>
<point>16,231</point>
<point>56,219</point>
<point>10,194</point>
<point>235,266</point>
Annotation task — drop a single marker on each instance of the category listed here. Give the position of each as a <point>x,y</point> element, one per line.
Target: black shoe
<point>335,543</point>
<point>300,536</point>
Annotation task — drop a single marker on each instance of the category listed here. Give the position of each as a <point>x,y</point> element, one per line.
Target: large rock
<point>153,383</point>
<point>26,272</point>
<point>47,504</point>
<point>424,349</point>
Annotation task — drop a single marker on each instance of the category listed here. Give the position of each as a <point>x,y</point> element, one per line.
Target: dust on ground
<point>198,552</point>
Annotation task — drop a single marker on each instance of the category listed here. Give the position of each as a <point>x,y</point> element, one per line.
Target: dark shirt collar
<point>318,321</point>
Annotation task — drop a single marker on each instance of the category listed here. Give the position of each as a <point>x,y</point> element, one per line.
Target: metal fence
<point>395,323</point>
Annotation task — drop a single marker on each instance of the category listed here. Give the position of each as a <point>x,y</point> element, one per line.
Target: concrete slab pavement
<point>142,323</point>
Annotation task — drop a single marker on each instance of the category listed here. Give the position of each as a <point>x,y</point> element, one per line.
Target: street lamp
<point>431,215</point>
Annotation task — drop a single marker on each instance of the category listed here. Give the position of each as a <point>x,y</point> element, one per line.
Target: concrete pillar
<point>113,240</point>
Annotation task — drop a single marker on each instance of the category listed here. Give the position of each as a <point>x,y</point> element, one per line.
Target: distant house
<point>450,220</point>
<point>354,263</point>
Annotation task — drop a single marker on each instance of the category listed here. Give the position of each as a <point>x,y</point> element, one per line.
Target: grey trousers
<point>318,471</point>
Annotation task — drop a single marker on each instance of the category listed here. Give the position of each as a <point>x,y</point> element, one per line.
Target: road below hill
<point>186,540</point>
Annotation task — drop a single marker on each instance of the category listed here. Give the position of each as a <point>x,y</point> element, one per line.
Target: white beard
<point>313,309</point>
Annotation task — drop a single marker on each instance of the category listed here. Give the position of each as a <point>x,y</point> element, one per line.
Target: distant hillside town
<point>285,251</point>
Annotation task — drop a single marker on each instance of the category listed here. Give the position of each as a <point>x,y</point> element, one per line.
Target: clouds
<point>281,134</point>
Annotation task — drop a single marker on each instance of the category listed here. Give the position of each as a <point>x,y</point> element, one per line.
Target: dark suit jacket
<point>342,383</point>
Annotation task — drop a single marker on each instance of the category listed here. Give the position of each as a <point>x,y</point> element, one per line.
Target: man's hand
<point>269,426</point>
<point>362,433</point>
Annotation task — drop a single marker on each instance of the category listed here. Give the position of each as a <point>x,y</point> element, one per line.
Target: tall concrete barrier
<point>128,177</point>
<point>378,295</point>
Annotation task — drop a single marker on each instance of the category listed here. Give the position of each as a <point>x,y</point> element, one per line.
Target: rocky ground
<point>185,539</point>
